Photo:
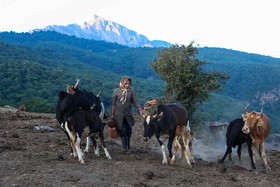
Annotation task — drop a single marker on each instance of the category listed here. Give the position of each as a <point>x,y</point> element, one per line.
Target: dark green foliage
<point>254,79</point>
<point>40,64</point>
<point>3,103</point>
<point>37,104</point>
<point>187,83</point>
<point>27,73</point>
<point>248,73</point>
<point>107,56</point>
<point>220,108</point>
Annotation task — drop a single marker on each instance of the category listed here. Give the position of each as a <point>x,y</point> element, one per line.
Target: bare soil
<point>30,157</point>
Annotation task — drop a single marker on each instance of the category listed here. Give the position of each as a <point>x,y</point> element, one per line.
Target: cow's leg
<point>180,152</point>
<point>254,151</point>
<point>185,150</point>
<point>104,146</point>
<point>88,145</point>
<point>249,145</point>
<point>228,151</point>
<point>176,147</point>
<point>229,155</point>
<point>79,151</point>
<point>63,128</point>
<point>239,150</point>
<point>71,140</point>
<point>164,161</point>
<point>74,153</point>
<point>95,146</point>
<point>191,151</point>
<point>262,149</point>
<point>251,154</point>
<point>170,142</point>
<point>179,149</point>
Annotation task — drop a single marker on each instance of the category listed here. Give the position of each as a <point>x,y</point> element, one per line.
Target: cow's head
<point>252,120</point>
<point>151,125</point>
<point>70,89</point>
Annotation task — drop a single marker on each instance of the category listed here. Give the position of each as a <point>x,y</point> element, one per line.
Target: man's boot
<point>125,145</point>
<point>128,144</point>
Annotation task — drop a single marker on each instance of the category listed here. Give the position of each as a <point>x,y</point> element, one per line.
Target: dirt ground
<point>29,157</point>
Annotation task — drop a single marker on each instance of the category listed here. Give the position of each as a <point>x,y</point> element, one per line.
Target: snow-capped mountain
<point>100,29</point>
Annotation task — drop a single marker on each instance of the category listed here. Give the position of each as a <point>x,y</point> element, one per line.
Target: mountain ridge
<point>100,29</point>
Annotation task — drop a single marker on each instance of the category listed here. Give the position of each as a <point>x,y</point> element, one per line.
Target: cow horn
<point>154,116</point>
<point>77,83</point>
<point>261,113</point>
<point>98,94</point>
<point>245,110</point>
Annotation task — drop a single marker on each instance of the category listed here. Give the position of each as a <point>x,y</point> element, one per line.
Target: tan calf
<point>257,125</point>
<point>183,142</point>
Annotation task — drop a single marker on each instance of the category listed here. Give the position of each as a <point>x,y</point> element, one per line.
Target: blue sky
<point>244,25</point>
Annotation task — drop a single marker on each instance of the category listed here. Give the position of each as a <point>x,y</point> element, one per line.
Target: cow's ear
<point>244,117</point>
<point>160,116</point>
<point>260,123</point>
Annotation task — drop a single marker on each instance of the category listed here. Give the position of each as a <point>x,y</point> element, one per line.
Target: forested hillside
<point>108,56</point>
<point>35,67</point>
<point>30,75</point>
<point>254,79</point>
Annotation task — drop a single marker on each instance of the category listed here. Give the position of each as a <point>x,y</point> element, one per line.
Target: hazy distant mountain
<point>101,29</point>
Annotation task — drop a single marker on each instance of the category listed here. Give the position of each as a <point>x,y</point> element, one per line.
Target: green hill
<point>27,73</point>
<point>108,56</point>
<point>254,79</point>
<point>35,67</point>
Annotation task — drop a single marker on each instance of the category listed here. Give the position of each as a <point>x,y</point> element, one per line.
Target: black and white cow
<point>165,122</point>
<point>73,100</point>
<point>81,124</point>
<point>96,106</point>
<point>235,137</point>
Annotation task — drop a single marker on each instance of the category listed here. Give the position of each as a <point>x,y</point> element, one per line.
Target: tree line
<point>39,65</point>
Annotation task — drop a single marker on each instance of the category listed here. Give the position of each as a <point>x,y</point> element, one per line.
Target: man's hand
<point>140,111</point>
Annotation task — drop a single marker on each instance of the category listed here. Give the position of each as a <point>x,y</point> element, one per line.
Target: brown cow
<point>183,141</point>
<point>164,122</point>
<point>22,108</point>
<point>257,125</point>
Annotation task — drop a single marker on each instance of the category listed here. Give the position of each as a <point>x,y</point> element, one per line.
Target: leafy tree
<point>187,81</point>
